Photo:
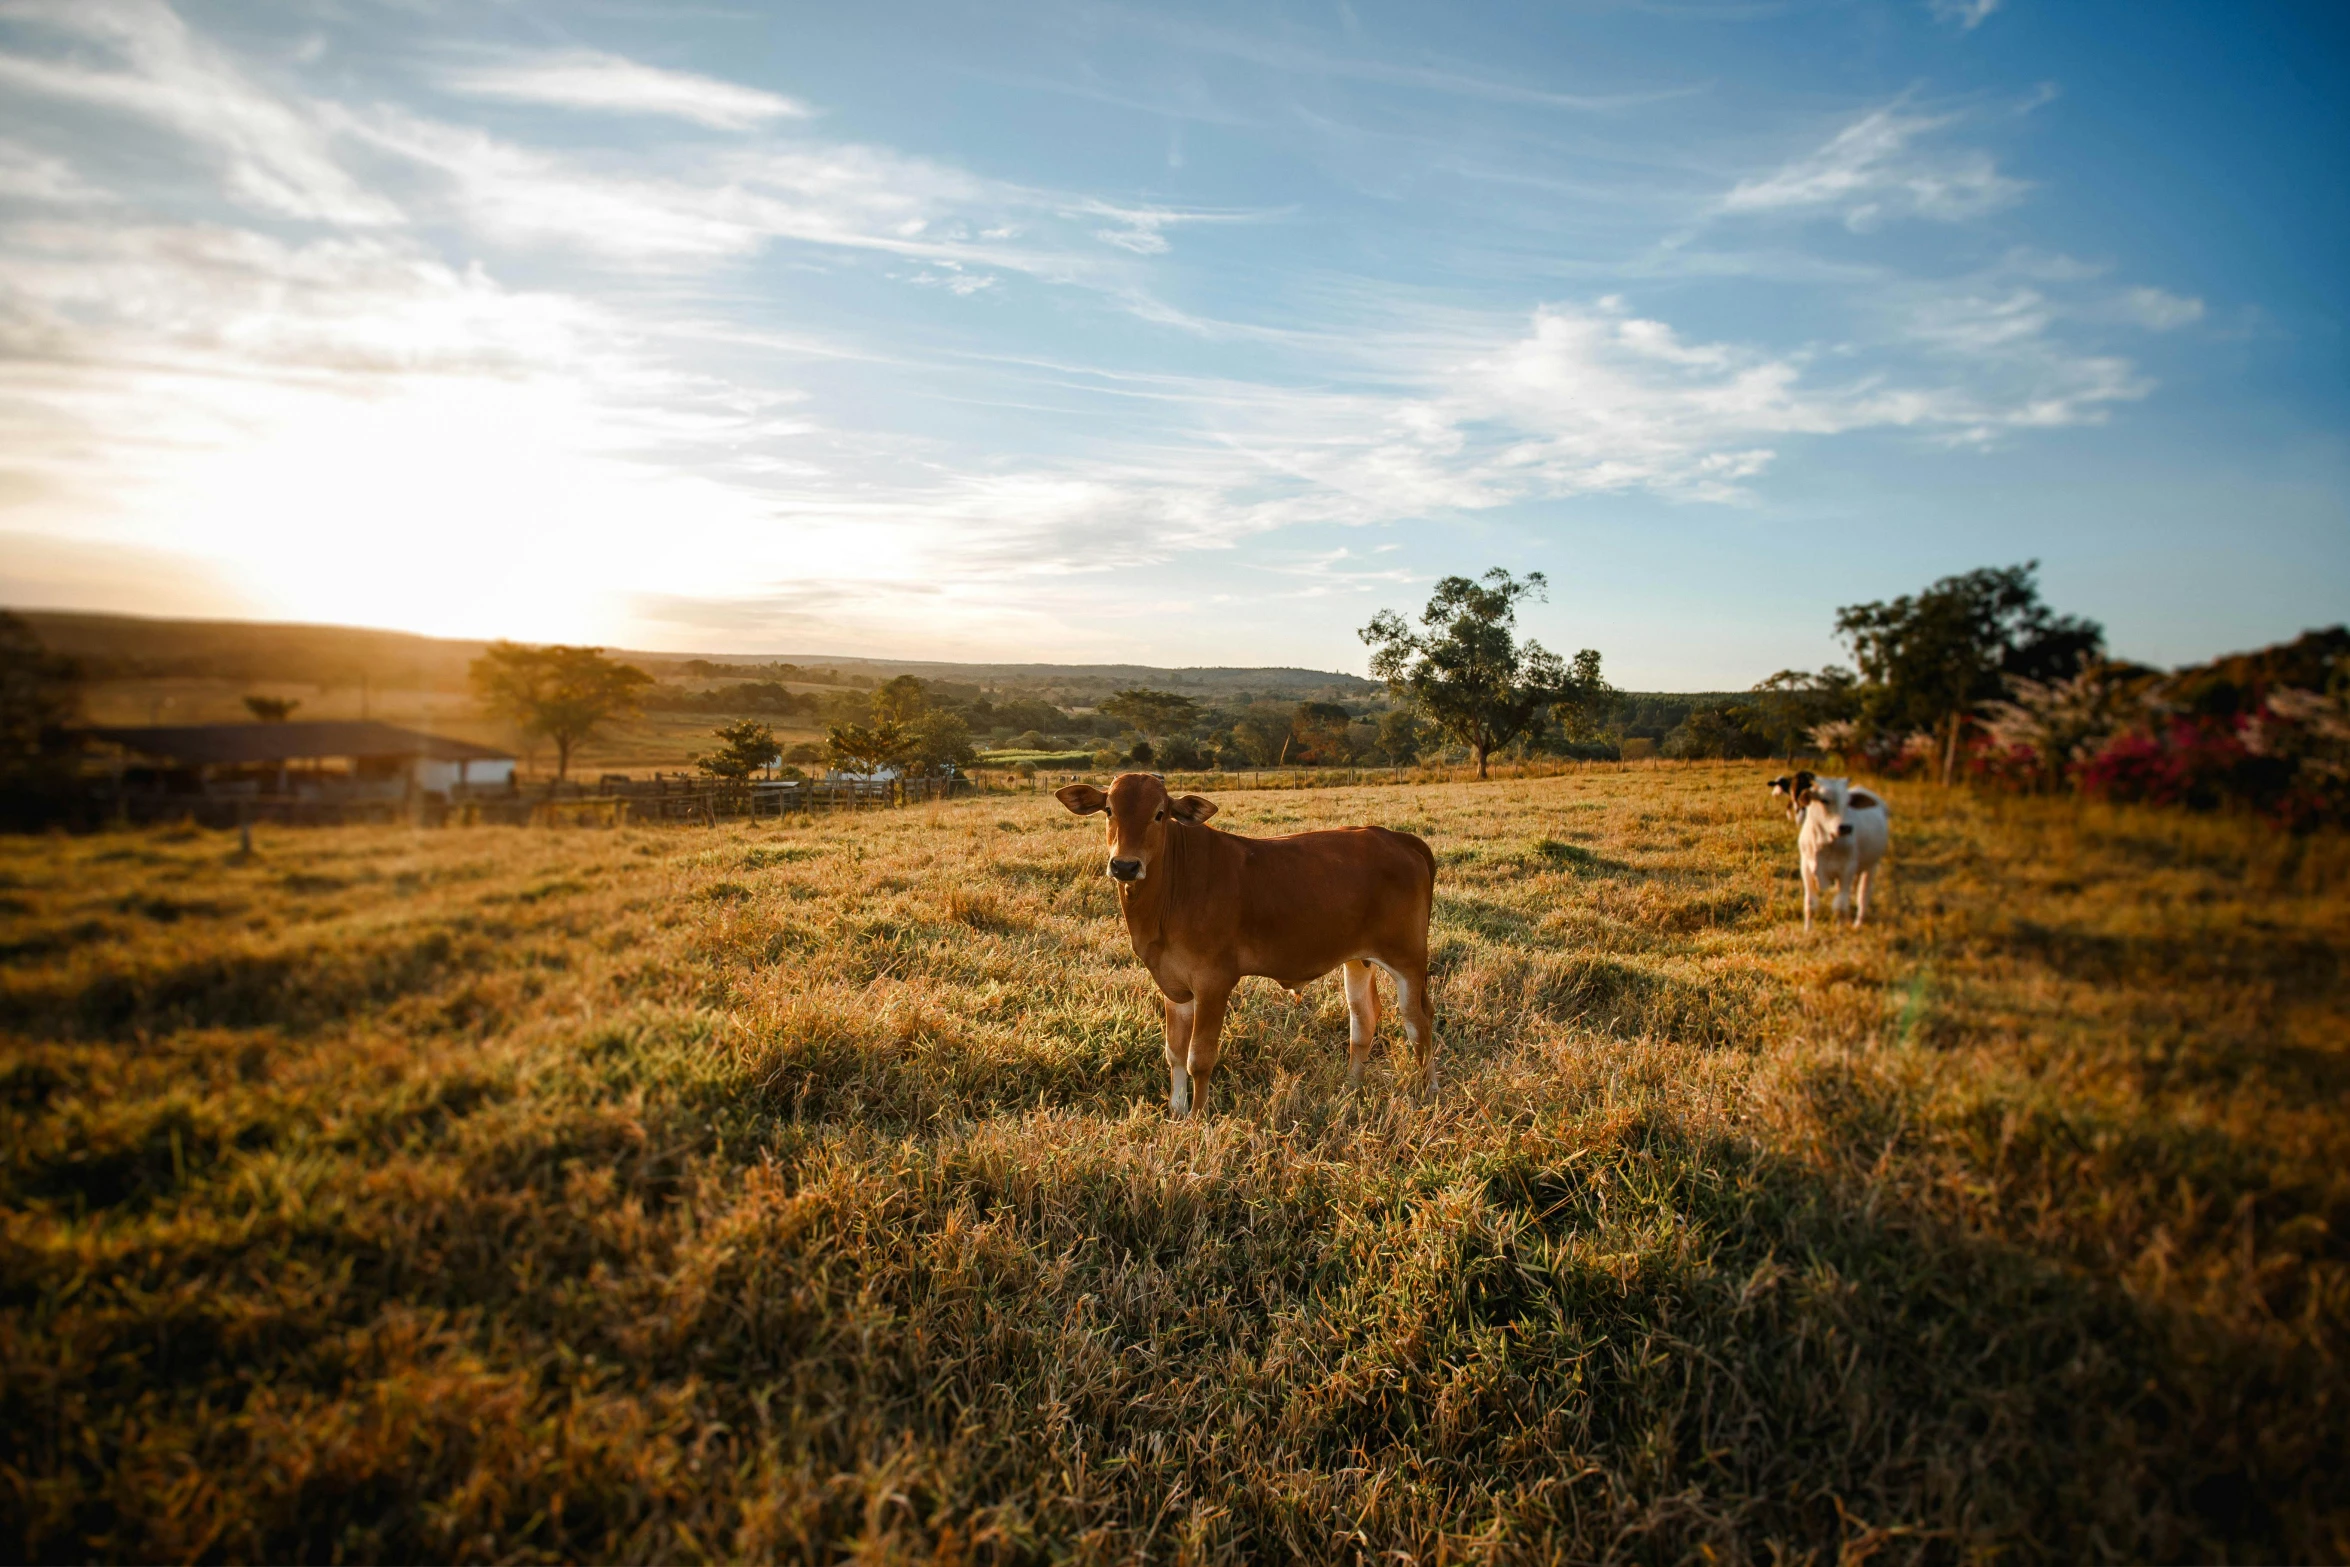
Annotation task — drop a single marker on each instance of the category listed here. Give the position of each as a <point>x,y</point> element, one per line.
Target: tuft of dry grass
<point>805,1190</point>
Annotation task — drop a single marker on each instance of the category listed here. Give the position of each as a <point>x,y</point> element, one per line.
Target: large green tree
<point>1465,668</point>
<point>1930,660</point>
<point>558,693</point>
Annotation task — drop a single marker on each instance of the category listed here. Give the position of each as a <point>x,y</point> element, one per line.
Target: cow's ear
<point>1192,808</point>
<point>1082,799</point>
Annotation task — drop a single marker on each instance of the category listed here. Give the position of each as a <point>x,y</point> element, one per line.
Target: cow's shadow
<point>1849,1363</point>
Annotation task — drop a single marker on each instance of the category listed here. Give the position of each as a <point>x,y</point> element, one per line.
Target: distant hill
<point>2237,682</point>
<point>130,647</point>
<point>1080,683</point>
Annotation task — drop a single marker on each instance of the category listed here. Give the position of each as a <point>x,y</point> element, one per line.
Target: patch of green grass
<point>671,1193</point>
<point>1074,760</point>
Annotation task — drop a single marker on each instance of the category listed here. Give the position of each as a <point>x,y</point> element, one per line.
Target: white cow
<point>1844,837</point>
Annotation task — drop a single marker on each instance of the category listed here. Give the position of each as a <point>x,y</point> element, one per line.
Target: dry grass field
<point>805,1191</point>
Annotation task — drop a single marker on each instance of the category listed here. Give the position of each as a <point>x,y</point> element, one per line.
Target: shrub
<point>2308,732</point>
<point>2047,728</point>
<point>1721,731</point>
<point>2199,763</point>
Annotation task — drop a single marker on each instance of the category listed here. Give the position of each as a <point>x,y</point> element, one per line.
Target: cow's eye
<point>1162,816</point>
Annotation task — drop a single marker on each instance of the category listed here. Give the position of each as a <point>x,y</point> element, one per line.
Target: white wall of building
<point>437,777</point>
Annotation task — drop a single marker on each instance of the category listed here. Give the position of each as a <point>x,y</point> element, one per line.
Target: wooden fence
<point>610,802</point>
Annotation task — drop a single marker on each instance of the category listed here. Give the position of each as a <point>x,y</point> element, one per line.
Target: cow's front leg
<point>1179,1020</point>
<point>1207,1029</point>
<point>1362,1019</point>
<point>1811,893</point>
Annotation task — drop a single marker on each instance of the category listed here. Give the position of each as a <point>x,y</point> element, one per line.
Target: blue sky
<point>1174,334</point>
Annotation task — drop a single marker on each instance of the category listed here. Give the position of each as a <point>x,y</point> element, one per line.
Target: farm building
<point>324,761</point>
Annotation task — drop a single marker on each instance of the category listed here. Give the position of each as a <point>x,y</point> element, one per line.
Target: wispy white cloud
<point>2152,307</point>
<point>1877,167</point>
<point>1142,229</point>
<point>162,378</point>
<point>1285,55</point>
<point>275,158</point>
<point>611,84</point>
<point>1968,14</point>
<point>28,175</point>
<point>952,277</point>
<point>706,208</point>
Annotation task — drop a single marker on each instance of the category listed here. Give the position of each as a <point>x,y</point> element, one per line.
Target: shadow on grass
<point>294,988</point>
<point>2297,967</point>
<point>1617,1341</point>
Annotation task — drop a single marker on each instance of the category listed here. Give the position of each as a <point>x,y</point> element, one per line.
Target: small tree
<point>1588,702</point>
<point>901,701</point>
<point>1262,735</point>
<point>1794,702</point>
<point>560,693</point>
<point>1465,670</point>
<point>1929,661</point>
<point>1400,736</point>
<point>271,709</point>
<point>749,747</point>
<point>1156,714</point>
<point>1720,730</point>
<point>866,748</point>
<point>938,740</point>
<point>1318,734</point>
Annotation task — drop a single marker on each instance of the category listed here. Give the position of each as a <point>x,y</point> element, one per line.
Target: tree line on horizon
<point>1973,678</point>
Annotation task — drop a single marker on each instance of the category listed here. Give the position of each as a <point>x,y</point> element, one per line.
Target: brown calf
<point>1205,907</point>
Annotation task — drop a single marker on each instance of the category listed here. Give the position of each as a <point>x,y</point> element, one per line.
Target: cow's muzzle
<point>1126,870</point>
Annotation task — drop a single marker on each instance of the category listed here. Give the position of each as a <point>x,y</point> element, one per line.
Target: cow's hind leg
<point>1179,1055</point>
<point>1860,896</point>
<point>1362,1019</point>
<point>1207,1030</point>
<point>1418,1016</point>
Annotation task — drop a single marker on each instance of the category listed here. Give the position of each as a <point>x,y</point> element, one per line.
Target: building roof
<point>229,744</point>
